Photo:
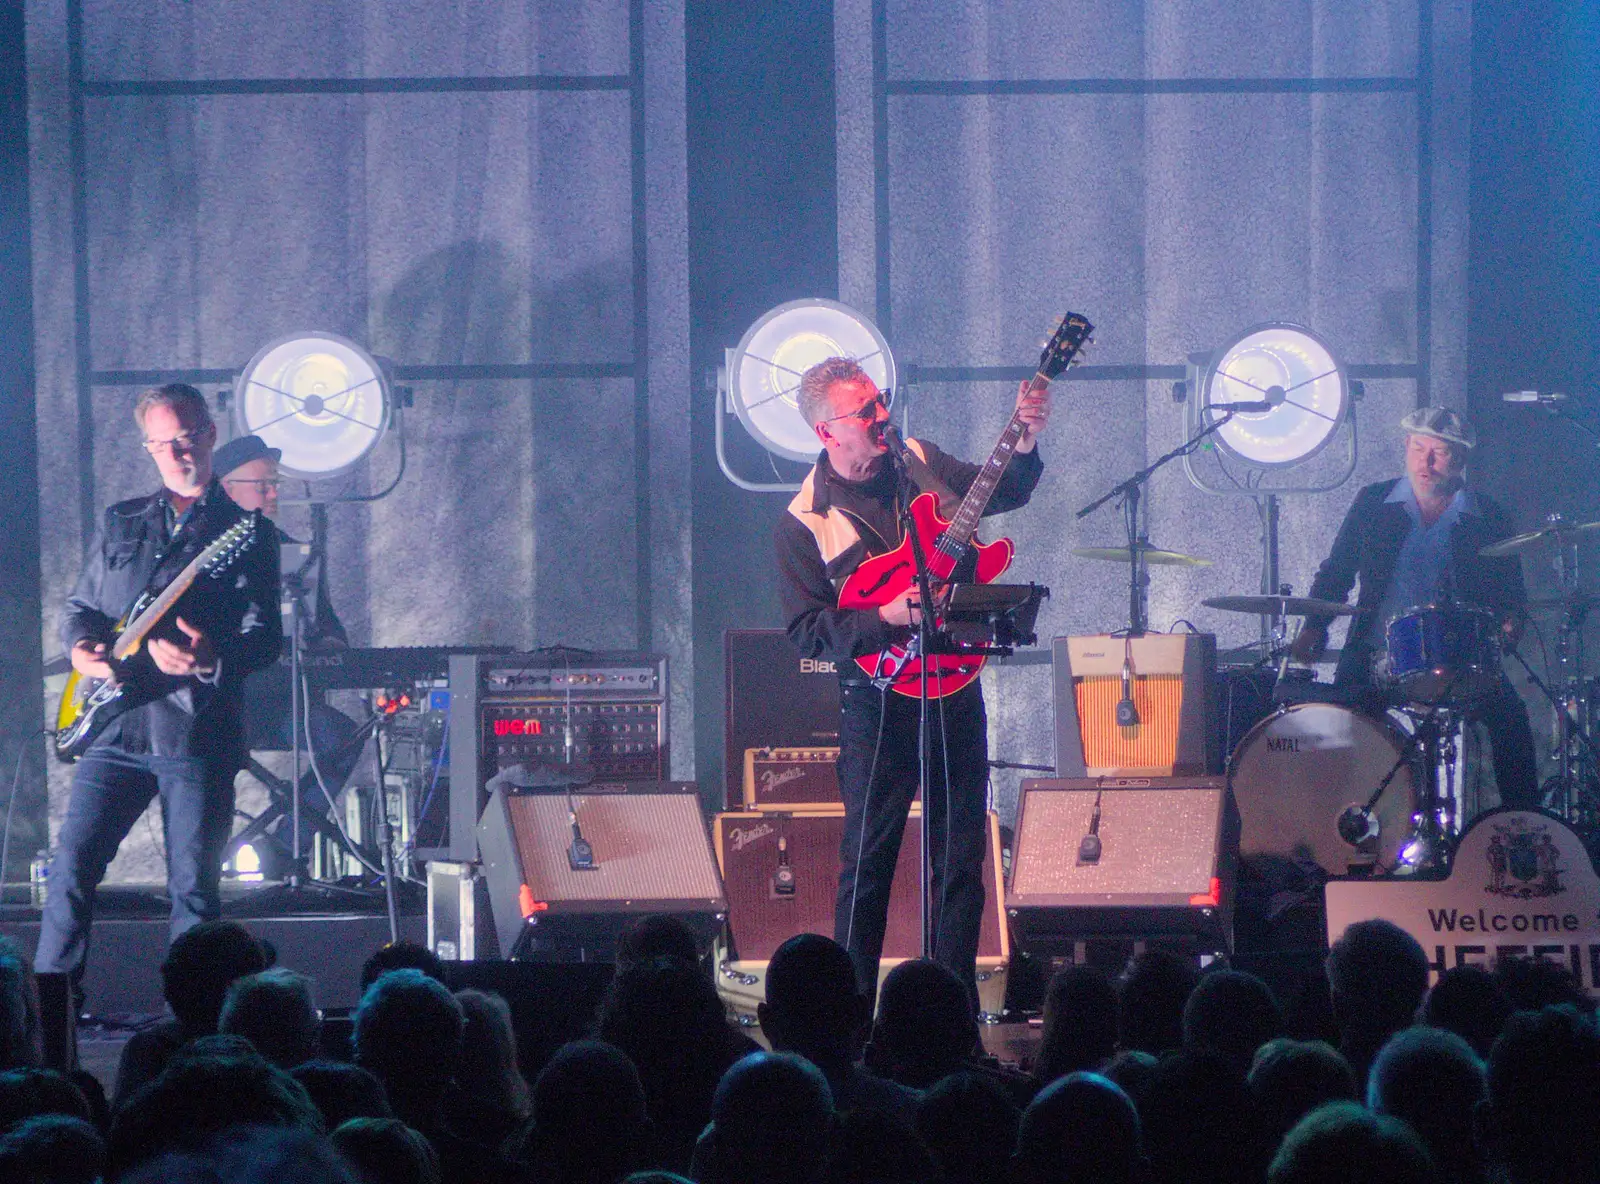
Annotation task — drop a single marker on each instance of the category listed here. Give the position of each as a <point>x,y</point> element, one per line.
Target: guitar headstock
<point>229,545</point>
<point>1071,335</point>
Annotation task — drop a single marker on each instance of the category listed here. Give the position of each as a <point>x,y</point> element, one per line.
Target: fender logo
<point>739,839</point>
<point>772,778</point>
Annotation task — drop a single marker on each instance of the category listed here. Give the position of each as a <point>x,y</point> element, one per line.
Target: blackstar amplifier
<point>791,779</point>
<point>775,699</point>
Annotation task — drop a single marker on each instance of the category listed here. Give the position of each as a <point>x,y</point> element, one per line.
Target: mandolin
<point>947,543</point>
<point>89,705</point>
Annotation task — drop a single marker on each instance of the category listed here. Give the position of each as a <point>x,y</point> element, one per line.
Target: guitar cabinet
<point>1173,687</point>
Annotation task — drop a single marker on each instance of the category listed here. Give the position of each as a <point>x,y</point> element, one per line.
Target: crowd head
<point>1164,1074</point>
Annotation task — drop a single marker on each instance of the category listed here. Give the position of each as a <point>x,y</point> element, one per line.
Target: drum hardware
<point>1574,792</point>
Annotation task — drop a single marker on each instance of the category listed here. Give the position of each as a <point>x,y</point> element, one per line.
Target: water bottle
<point>38,878</point>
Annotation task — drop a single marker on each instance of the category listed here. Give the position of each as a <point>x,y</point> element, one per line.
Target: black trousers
<point>877,797</point>
<point>110,789</point>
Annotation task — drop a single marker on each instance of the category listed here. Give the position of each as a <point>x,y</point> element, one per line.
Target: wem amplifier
<point>1169,679</point>
<point>517,709</point>
<point>775,699</point>
<point>791,779</point>
<point>1162,862</point>
<point>647,852</point>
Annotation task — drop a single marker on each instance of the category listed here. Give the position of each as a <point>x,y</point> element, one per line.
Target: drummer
<point>1415,542</point>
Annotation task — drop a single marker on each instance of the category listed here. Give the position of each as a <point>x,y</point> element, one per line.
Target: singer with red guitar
<point>847,512</point>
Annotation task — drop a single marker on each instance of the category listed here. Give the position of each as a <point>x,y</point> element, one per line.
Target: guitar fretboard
<point>953,542</point>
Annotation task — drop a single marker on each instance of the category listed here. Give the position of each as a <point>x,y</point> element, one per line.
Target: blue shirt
<point>1423,570</point>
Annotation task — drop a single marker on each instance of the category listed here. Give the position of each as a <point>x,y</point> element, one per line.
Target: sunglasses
<point>867,412</point>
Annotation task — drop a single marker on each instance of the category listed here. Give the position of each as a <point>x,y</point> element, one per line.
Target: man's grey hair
<point>817,382</point>
<point>188,404</point>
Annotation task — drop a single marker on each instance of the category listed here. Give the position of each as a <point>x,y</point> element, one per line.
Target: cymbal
<point>1545,604</point>
<point>1556,530</point>
<point>1282,606</point>
<point>1154,555</point>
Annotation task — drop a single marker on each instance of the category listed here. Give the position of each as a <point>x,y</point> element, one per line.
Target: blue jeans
<point>110,789</point>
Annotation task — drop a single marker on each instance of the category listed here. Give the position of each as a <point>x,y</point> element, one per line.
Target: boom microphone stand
<point>925,648</point>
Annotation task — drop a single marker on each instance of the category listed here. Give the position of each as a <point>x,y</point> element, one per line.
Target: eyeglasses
<point>187,442</point>
<point>264,484</point>
<point>867,412</point>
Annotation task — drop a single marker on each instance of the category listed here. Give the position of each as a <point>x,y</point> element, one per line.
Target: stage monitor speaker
<point>767,905</point>
<point>775,699</point>
<point>1171,685</point>
<point>648,850</point>
<point>1167,850</point>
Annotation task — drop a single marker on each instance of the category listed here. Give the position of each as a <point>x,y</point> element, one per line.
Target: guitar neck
<point>965,523</point>
<point>133,635</point>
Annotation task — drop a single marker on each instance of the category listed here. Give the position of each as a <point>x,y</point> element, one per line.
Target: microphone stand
<point>1129,491</point>
<point>925,635</point>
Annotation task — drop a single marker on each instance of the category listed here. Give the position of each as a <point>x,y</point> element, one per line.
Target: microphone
<point>1089,845</point>
<point>783,879</point>
<point>1127,713</point>
<point>1545,398</point>
<point>1249,408</point>
<point>897,446</point>
<point>1356,825</point>
<point>580,856</point>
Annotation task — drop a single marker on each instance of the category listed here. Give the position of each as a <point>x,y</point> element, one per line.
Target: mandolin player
<point>847,510</point>
<point>186,742</point>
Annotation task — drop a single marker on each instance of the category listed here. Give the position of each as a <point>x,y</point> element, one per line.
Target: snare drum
<point>1298,770</point>
<point>1440,652</point>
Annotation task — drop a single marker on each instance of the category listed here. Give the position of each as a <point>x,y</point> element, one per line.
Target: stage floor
<point>325,932</point>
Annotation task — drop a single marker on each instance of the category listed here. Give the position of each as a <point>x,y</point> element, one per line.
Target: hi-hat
<point>1557,529</point>
<point>1151,554</point>
<point>1282,606</point>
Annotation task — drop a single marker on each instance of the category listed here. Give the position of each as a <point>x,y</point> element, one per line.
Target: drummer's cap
<point>1442,424</point>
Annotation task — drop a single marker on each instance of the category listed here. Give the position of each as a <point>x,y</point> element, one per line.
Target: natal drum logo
<point>1522,862</point>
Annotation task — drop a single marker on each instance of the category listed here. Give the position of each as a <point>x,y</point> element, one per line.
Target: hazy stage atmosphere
<point>507,321</point>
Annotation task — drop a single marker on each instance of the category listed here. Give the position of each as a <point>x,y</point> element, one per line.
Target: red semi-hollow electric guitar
<point>946,542</point>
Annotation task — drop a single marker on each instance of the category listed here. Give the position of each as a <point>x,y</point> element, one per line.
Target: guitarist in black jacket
<point>1415,540</point>
<point>186,743</point>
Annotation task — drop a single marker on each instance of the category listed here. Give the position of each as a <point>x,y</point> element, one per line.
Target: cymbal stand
<point>1577,767</point>
<point>1138,541</point>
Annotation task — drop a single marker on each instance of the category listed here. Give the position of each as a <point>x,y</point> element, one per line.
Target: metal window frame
<point>80,89</point>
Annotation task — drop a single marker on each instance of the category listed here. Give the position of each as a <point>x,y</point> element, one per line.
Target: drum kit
<point>1382,780</point>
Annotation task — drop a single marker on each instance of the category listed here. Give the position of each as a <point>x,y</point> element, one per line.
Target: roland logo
<point>817,666</point>
<point>1283,743</point>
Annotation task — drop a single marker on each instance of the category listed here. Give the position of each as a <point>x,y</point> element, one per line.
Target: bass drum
<point>1298,770</point>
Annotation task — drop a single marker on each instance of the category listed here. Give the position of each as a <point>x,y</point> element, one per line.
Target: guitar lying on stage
<point>89,705</point>
<point>947,543</point>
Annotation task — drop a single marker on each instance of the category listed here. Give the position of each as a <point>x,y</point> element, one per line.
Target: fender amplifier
<point>791,779</point>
